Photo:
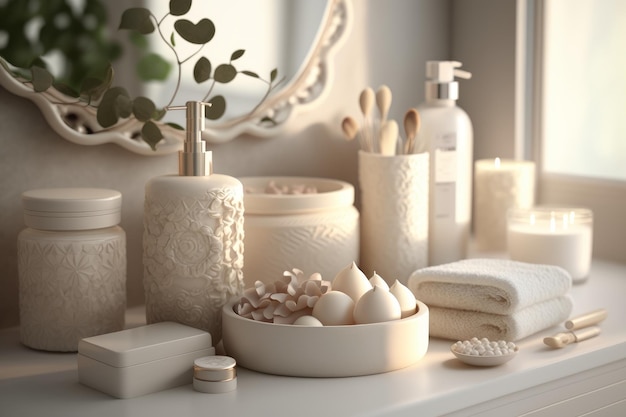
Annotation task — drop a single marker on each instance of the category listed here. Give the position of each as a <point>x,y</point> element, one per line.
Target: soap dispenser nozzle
<point>194,159</point>
<point>440,83</point>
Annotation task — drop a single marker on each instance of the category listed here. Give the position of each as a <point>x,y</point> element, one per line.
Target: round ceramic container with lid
<point>72,267</point>
<point>552,235</point>
<point>298,222</point>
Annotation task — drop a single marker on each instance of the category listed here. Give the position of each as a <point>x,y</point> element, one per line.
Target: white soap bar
<point>142,360</point>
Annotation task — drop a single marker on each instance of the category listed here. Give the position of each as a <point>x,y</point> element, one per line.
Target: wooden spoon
<point>388,138</point>
<point>383,101</point>
<point>411,127</point>
<point>366,102</point>
<point>350,127</point>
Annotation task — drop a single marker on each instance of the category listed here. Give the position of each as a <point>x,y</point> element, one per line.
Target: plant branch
<point>267,93</point>
<point>178,61</point>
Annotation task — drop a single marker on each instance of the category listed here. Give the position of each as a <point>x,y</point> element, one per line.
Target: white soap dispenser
<point>446,132</point>
<point>193,237</point>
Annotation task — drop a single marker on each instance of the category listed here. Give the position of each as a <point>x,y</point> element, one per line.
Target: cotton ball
<point>334,308</point>
<point>376,305</point>
<point>405,297</point>
<point>307,321</point>
<point>352,281</point>
<point>378,280</point>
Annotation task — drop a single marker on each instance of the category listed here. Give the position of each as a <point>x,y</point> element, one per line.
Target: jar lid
<point>214,374</point>
<point>71,208</point>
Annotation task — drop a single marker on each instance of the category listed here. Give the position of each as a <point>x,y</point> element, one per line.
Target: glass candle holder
<point>553,236</point>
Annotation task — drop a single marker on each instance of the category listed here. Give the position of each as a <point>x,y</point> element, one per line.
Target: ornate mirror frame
<point>77,123</point>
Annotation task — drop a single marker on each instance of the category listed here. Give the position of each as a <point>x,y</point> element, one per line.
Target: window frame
<point>606,198</point>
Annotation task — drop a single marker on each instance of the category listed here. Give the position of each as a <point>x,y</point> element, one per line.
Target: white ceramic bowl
<point>331,194</point>
<point>329,351</point>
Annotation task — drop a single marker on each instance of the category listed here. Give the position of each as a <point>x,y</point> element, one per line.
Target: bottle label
<point>445,176</point>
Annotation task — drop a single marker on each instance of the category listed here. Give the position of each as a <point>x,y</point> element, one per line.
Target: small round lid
<point>71,208</point>
<point>214,368</point>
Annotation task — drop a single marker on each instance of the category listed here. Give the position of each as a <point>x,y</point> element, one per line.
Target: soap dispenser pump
<point>446,132</point>
<point>193,237</point>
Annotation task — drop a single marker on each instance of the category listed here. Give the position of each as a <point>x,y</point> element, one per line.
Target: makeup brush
<point>383,102</point>
<point>411,127</point>
<point>350,127</point>
<point>388,138</point>
<point>366,102</point>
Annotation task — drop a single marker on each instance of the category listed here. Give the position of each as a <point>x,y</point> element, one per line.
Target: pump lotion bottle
<point>193,237</point>
<point>446,132</point>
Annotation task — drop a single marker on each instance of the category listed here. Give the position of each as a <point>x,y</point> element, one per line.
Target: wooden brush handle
<point>586,320</point>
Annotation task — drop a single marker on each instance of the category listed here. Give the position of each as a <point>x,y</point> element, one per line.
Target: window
<point>579,106</point>
<point>584,88</point>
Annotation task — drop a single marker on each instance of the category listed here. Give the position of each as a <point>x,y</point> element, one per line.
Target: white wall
<point>390,43</point>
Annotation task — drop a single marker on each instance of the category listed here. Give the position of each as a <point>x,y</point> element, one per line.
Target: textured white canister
<point>317,232</point>
<point>72,267</point>
<point>394,214</point>
<point>499,185</point>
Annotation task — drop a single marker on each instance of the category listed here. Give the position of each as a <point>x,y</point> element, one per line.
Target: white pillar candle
<point>499,185</point>
<point>562,237</point>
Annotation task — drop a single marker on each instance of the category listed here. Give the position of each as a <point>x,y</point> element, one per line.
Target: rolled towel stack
<point>494,298</point>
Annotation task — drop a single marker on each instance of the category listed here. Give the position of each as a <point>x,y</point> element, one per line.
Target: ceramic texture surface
<point>394,214</point>
<point>327,351</point>
<point>193,257</point>
<point>311,232</point>
<point>71,286</point>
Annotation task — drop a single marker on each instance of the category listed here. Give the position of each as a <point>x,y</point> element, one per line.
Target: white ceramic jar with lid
<point>312,226</point>
<point>71,265</point>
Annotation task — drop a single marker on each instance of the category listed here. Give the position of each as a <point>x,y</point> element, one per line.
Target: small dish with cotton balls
<point>308,327</point>
<point>484,352</point>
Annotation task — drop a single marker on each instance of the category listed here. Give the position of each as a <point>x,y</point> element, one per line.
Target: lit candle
<point>499,185</point>
<point>562,237</point>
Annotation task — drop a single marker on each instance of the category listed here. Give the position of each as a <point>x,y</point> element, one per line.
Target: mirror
<point>305,35</point>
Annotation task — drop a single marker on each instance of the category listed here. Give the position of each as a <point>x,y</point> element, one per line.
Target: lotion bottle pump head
<point>194,160</point>
<point>440,84</point>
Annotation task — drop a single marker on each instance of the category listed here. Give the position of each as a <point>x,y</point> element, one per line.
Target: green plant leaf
<point>137,18</point>
<point>66,89</point>
<point>158,114</point>
<point>153,67</point>
<point>94,87</point>
<point>237,54</point>
<point>250,74</point>
<point>139,40</point>
<point>179,7</point>
<point>143,108</point>
<point>202,70</point>
<point>42,79</point>
<point>273,74</point>
<point>123,105</point>
<point>107,113</point>
<point>151,134</point>
<point>268,120</point>
<point>217,109</point>
<point>172,39</point>
<point>225,73</point>
<point>175,126</point>
<point>198,33</point>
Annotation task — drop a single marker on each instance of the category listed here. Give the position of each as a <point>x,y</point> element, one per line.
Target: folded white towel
<point>454,324</point>
<point>498,286</point>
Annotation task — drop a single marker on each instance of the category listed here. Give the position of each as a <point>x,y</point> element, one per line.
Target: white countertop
<point>39,383</point>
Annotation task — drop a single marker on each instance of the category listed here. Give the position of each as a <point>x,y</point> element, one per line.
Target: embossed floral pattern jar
<point>72,267</point>
<point>316,231</point>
